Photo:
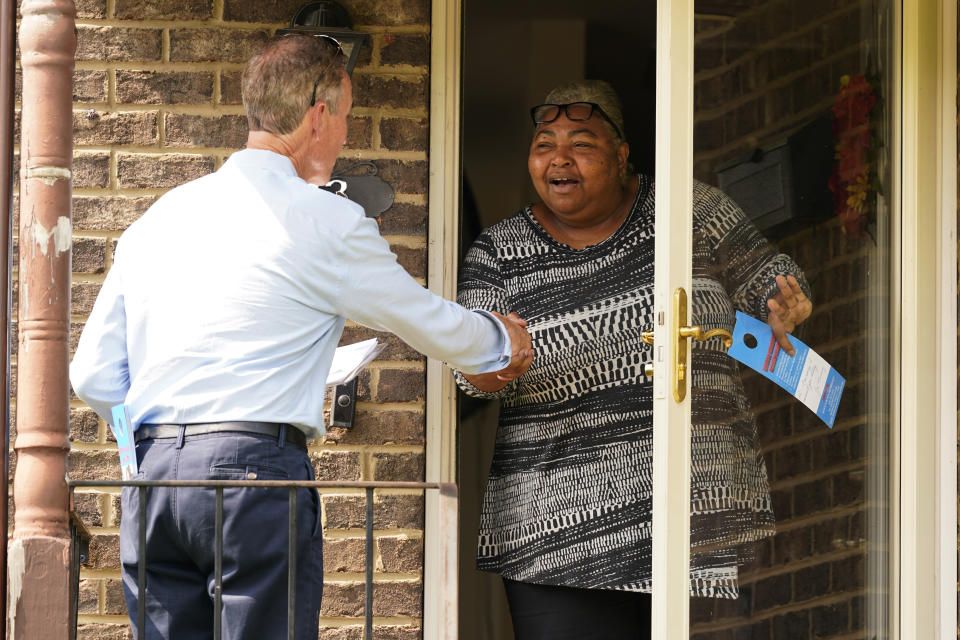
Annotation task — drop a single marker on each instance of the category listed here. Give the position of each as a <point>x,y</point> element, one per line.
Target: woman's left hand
<point>788,308</point>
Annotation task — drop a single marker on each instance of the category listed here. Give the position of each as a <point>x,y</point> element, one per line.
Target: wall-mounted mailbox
<point>786,181</point>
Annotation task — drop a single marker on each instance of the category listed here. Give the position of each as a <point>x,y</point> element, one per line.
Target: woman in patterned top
<point>567,509</point>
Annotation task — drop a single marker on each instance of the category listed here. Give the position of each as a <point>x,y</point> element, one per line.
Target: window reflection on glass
<point>792,122</point>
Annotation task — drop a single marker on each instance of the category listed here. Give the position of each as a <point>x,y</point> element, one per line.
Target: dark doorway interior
<point>515,51</point>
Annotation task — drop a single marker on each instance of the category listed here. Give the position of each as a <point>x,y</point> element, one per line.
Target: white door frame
<point>925,542</point>
<point>923,454</point>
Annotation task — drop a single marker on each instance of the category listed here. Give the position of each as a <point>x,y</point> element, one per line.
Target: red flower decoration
<point>851,179</point>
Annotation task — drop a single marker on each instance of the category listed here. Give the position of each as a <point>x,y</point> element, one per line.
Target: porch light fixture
<point>326,17</point>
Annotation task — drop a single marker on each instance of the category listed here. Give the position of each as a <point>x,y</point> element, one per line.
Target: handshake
<point>521,356</point>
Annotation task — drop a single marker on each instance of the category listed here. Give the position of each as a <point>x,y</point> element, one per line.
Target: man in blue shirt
<point>221,354</point>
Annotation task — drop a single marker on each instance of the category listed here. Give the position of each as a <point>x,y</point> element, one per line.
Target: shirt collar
<point>262,159</point>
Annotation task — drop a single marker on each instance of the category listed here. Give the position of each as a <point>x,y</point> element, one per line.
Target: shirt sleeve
<point>744,261</point>
<point>375,291</point>
<point>99,371</point>
<point>481,286</point>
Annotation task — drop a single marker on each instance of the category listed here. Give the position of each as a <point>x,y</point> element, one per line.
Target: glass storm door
<point>792,511</point>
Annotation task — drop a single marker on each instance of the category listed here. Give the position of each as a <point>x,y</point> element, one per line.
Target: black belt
<point>272,429</point>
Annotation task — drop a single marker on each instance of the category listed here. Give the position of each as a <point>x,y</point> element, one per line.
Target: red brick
<point>91,169</point>
<point>163,10</point>
<point>108,213</point>
<point>84,425</point>
<point>82,296</point>
<point>231,87</point>
<point>404,219</point>
<point>91,8</point>
<point>404,134</point>
<point>389,511</point>
<point>114,603</point>
<point>336,465</point>
<point>848,487</point>
<point>830,620</point>
<point>792,461</point>
<point>406,49</point>
<point>89,255</point>
<point>392,599</point>
<point>390,12</point>
<point>381,427</point>
<point>227,131</point>
<point>279,11</point>
<point>344,555</point>
<point>401,554</point>
<point>812,582</point>
<point>792,546</point>
<point>812,497</point>
<point>359,132</point>
<point>101,128</point>
<point>88,598</point>
<point>772,592</point>
<point>88,507</point>
<point>101,631</point>
<point>94,465</point>
<point>345,633</point>
<point>343,599</point>
<point>88,86</point>
<point>399,466</point>
<point>387,91</point>
<point>118,43</point>
<point>219,45</point>
<point>164,87</point>
<point>413,260</point>
<point>401,385</point>
<point>396,349</point>
<point>792,626</point>
<point>104,551</point>
<point>160,171</point>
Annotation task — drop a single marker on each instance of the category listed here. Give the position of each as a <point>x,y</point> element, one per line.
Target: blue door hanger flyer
<point>806,375</point>
<point>123,432</point>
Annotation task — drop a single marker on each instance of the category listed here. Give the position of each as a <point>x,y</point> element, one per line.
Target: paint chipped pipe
<point>39,606</point>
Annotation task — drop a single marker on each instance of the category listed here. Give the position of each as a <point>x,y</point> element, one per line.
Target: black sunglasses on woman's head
<point>576,111</point>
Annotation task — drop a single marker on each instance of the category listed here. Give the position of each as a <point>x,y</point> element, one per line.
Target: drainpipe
<point>38,562</point>
<point>8,56</point>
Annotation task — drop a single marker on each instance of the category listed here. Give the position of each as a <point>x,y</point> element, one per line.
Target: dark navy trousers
<point>545,612</point>
<point>180,540</point>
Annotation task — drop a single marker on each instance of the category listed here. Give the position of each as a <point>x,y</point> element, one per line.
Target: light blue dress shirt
<point>227,299</point>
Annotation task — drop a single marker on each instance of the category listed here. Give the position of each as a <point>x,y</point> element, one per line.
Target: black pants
<point>542,612</point>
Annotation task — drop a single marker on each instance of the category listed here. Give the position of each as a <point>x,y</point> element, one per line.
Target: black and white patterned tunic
<point>568,498</point>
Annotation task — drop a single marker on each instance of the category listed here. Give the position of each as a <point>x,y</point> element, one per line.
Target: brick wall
<point>759,76</point>
<point>157,103</point>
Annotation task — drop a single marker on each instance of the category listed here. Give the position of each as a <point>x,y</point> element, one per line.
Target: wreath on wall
<point>856,143</point>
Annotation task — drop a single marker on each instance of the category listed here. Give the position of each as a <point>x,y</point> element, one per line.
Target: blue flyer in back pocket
<point>806,375</point>
<point>123,432</point>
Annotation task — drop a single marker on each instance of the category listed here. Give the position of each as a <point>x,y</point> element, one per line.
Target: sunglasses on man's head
<point>335,43</point>
<point>576,111</point>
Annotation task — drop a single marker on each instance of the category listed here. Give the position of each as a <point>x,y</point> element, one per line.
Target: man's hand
<point>521,356</point>
<point>521,351</point>
<point>788,309</point>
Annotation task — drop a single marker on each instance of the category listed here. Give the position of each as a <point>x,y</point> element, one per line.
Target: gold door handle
<point>648,370</point>
<point>647,337</point>
<point>697,334</point>
<point>681,333</point>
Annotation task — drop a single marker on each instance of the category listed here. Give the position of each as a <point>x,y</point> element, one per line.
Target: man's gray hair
<point>597,91</point>
<point>277,81</point>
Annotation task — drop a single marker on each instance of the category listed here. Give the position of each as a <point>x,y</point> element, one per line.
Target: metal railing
<point>447,541</point>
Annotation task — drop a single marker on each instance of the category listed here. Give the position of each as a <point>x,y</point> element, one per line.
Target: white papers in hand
<point>349,360</point>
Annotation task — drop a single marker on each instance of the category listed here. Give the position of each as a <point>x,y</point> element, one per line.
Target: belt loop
<point>282,435</point>
<point>180,436</point>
